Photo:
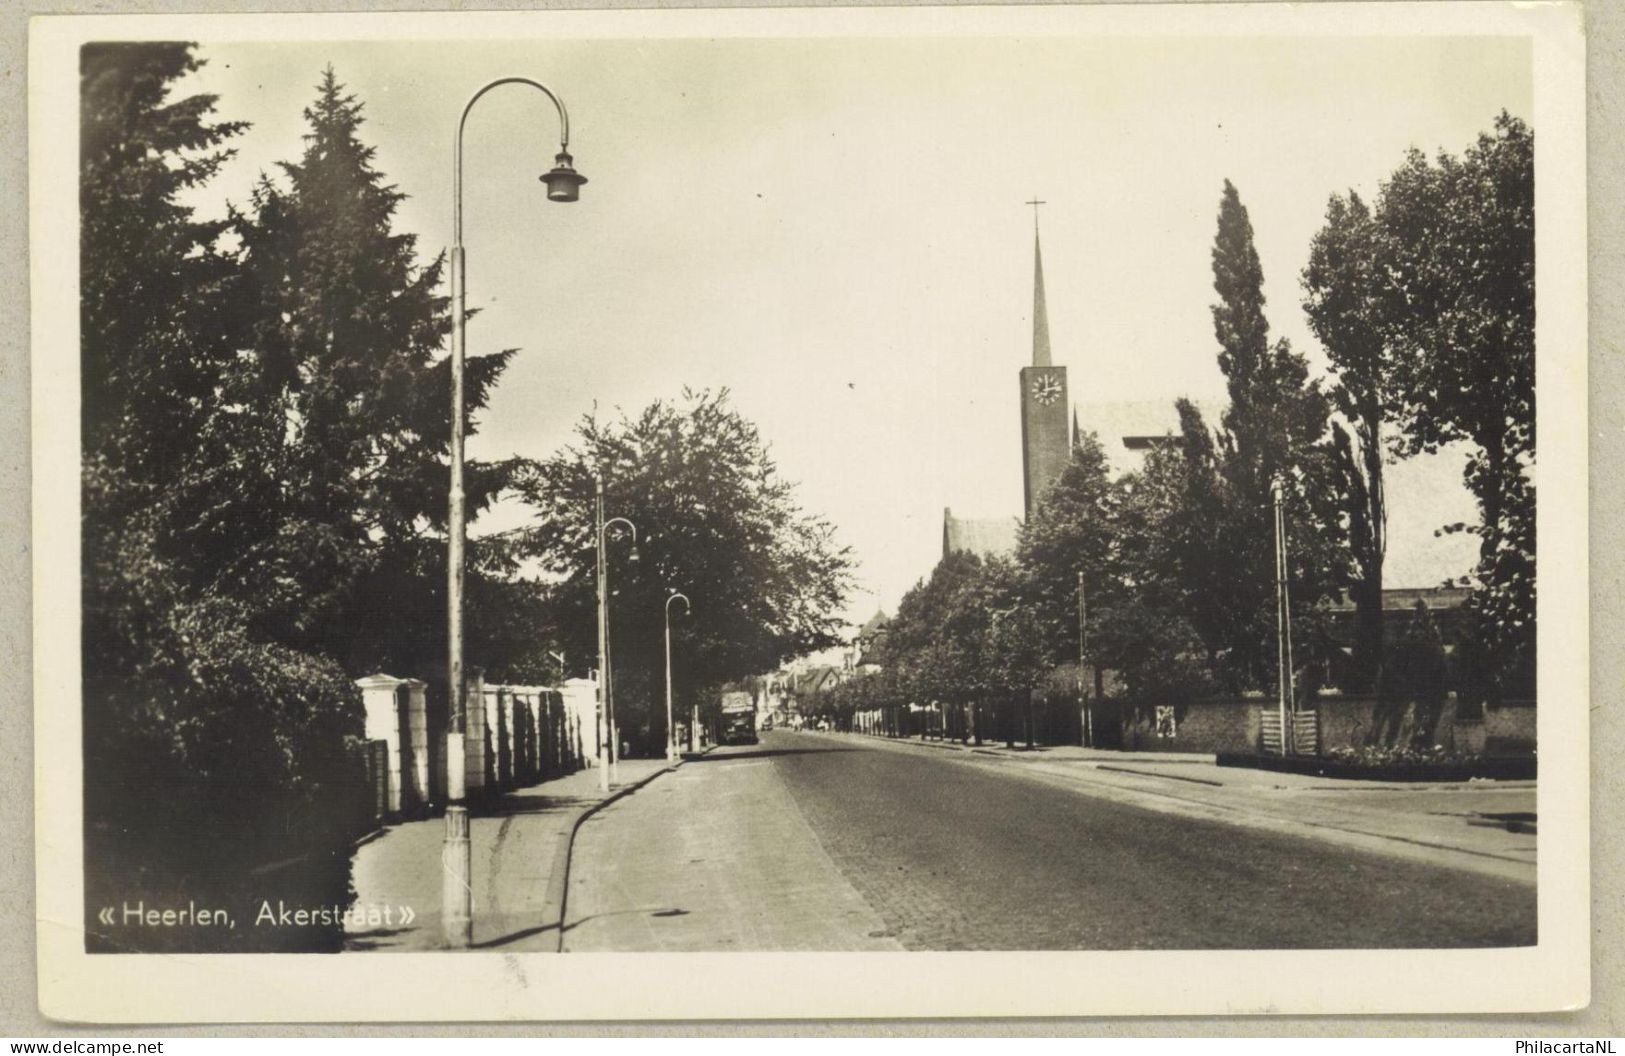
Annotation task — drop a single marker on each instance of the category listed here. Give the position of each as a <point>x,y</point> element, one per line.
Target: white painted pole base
<point>456,769</point>
<point>456,891</point>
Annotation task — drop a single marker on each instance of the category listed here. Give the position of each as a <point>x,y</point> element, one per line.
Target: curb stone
<point>558,881</point>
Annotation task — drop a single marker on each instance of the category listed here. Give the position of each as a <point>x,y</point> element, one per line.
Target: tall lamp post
<point>671,730</point>
<point>606,703</point>
<point>1085,718</point>
<point>563,185</point>
<point>1283,622</point>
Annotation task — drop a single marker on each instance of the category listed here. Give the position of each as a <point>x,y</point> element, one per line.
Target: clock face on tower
<point>1047,389</point>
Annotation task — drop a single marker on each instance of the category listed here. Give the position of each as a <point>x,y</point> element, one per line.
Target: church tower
<point>1045,446</point>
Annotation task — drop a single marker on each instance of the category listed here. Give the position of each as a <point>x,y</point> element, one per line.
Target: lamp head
<point>564,182</point>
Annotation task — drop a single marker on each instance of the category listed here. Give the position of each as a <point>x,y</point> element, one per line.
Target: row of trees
<point>266,418</point>
<point>1425,307</point>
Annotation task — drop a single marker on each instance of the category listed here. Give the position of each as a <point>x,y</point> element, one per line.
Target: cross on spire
<point>1035,203</point>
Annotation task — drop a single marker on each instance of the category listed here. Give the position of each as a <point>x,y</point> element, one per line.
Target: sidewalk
<point>715,857</point>
<point>1482,826</point>
<point>517,844</point>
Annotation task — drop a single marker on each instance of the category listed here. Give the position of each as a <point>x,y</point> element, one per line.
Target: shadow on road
<point>513,937</point>
<point>521,803</point>
<point>763,753</point>
<point>373,940</point>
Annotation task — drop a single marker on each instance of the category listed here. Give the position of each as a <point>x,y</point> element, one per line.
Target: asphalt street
<point>812,842</point>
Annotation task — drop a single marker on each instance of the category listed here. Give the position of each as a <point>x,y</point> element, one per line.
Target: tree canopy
<point>1458,312</point>
<point>715,521</point>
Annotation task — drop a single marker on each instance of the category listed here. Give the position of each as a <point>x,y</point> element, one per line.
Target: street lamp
<point>1085,725</point>
<point>671,731</point>
<point>606,703</point>
<point>1283,621</point>
<point>563,185</point>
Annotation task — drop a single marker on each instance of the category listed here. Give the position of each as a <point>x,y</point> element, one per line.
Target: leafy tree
<point>1172,628</point>
<point>1010,644</point>
<point>1073,531</point>
<point>1342,285</point>
<point>933,664</point>
<point>1458,310</point>
<point>715,521</point>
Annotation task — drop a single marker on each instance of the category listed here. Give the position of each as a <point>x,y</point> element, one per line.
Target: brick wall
<point>1201,726</point>
<point>1232,725</point>
<point>1510,726</point>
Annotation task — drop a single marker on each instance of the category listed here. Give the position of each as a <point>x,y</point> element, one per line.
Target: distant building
<point>985,537</point>
<point>1129,430</point>
<point>870,637</point>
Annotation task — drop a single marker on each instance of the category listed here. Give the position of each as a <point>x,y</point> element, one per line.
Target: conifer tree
<point>1275,427</point>
<point>344,334</point>
<point>207,748</point>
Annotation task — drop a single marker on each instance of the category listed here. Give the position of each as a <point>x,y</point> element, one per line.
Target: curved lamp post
<point>606,702</point>
<point>671,731</point>
<point>563,185</point>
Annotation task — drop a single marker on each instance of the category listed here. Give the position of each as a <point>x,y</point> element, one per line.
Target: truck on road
<point>738,718</point>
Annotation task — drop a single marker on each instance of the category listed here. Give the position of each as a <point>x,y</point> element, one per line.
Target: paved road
<point>819,843</point>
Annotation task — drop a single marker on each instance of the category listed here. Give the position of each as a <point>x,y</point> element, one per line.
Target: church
<point>1049,427</point>
<point>1424,491</point>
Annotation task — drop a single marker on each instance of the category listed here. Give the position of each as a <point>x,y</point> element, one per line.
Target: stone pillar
<point>417,711</point>
<point>521,735</point>
<point>474,735</point>
<point>499,703</point>
<point>380,697</point>
<point>547,733</point>
<point>580,699</point>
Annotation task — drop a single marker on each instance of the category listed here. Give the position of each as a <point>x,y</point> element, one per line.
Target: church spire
<point>1040,314</point>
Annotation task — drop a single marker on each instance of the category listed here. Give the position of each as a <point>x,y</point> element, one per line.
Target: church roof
<point>984,537</point>
<point>1129,428</point>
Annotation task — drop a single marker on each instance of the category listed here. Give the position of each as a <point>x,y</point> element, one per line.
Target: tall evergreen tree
<point>155,337</point>
<point>205,746</point>
<point>352,401</point>
<point>1275,428</point>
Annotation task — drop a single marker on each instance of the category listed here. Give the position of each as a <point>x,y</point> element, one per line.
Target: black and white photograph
<point>948,481</point>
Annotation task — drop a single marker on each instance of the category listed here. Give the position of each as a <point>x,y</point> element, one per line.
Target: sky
<point>834,230</point>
